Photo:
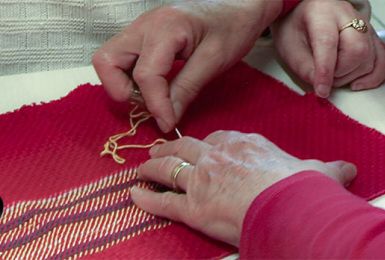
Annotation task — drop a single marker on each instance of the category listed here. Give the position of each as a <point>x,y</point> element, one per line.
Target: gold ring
<point>175,174</point>
<point>357,24</point>
<point>136,95</point>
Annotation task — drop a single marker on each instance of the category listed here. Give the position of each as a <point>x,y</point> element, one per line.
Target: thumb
<point>297,55</point>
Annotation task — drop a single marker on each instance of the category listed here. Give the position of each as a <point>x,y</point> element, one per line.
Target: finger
<point>323,35</point>
<point>161,170</point>
<point>364,69</point>
<point>112,61</point>
<point>355,50</point>
<point>377,76</point>
<point>362,53</point>
<point>152,67</point>
<point>187,148</point>
<point>204,64</point>
<point>167,204</point>
<point>296,55</point>
<point>343,172</point>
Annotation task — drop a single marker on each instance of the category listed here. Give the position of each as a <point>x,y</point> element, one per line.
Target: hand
<point>228,170</point>
<point>309,41</point>
<point>210,35</point>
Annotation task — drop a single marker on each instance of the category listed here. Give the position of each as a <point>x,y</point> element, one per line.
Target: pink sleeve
<point>288,5</point>
<point>310,216</point>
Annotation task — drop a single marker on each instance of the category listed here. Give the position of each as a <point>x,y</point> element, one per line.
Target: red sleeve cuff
<point>247,246</point>
<point>311,216</point>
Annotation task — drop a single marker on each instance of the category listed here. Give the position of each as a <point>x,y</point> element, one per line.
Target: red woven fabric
<point>51,148</point>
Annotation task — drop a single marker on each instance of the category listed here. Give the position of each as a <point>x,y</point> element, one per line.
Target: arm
<point>311,216</point>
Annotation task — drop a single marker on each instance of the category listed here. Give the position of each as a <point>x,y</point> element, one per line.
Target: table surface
<point>367,107</point>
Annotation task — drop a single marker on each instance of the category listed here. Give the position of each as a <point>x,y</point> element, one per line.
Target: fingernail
<point>162,125</point>
<point>154,150</point>
<point>322,91</point>
<point>357,87</point>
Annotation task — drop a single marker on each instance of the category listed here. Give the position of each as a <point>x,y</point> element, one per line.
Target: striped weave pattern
<point>76,223</point>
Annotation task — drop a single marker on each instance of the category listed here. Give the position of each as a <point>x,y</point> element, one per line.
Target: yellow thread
<point>111,147</point>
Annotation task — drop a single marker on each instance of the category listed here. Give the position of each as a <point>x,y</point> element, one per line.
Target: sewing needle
<point>178,133</point>
<point>137,97</point>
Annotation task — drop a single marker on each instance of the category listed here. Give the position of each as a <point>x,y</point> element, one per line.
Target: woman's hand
<point>210,35</point>
<point>228,170</point>
<point>310,42</point>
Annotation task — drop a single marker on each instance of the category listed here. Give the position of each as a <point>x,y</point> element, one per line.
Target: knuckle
<point>140,75</point>
<point>215,51</point>
<point>255,136</point>
<point>226,137</point>
<point>99,58</point>
<point>180,34</point>
<point>214,136</point>
<point>217,133</point>
<point>232,134</point>
<point>259,140</point>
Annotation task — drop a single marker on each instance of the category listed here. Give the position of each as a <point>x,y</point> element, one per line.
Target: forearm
<point>310,216</point>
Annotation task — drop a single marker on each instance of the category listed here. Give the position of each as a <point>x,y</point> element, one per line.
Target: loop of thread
<point>111,147</point>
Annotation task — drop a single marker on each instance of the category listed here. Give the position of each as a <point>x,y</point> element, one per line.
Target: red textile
<point>310,216</point>
<point>54,147</point>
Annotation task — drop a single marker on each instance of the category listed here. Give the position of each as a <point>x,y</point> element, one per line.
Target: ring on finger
<point>175,173</point>
<point>136,95</point>
<point>357,24</point>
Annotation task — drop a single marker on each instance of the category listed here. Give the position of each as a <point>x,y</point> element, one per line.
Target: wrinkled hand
<point>309,41</point>
<point>210,35</point>
<point>228,170</point>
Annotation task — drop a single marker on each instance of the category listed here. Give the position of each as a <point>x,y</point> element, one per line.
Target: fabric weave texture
<point>41,35</point>
<point>53,181</point>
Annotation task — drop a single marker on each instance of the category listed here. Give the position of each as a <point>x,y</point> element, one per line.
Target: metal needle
<point>178,133</point>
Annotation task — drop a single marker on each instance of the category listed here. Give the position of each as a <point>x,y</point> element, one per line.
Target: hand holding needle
<point>136,96</point>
